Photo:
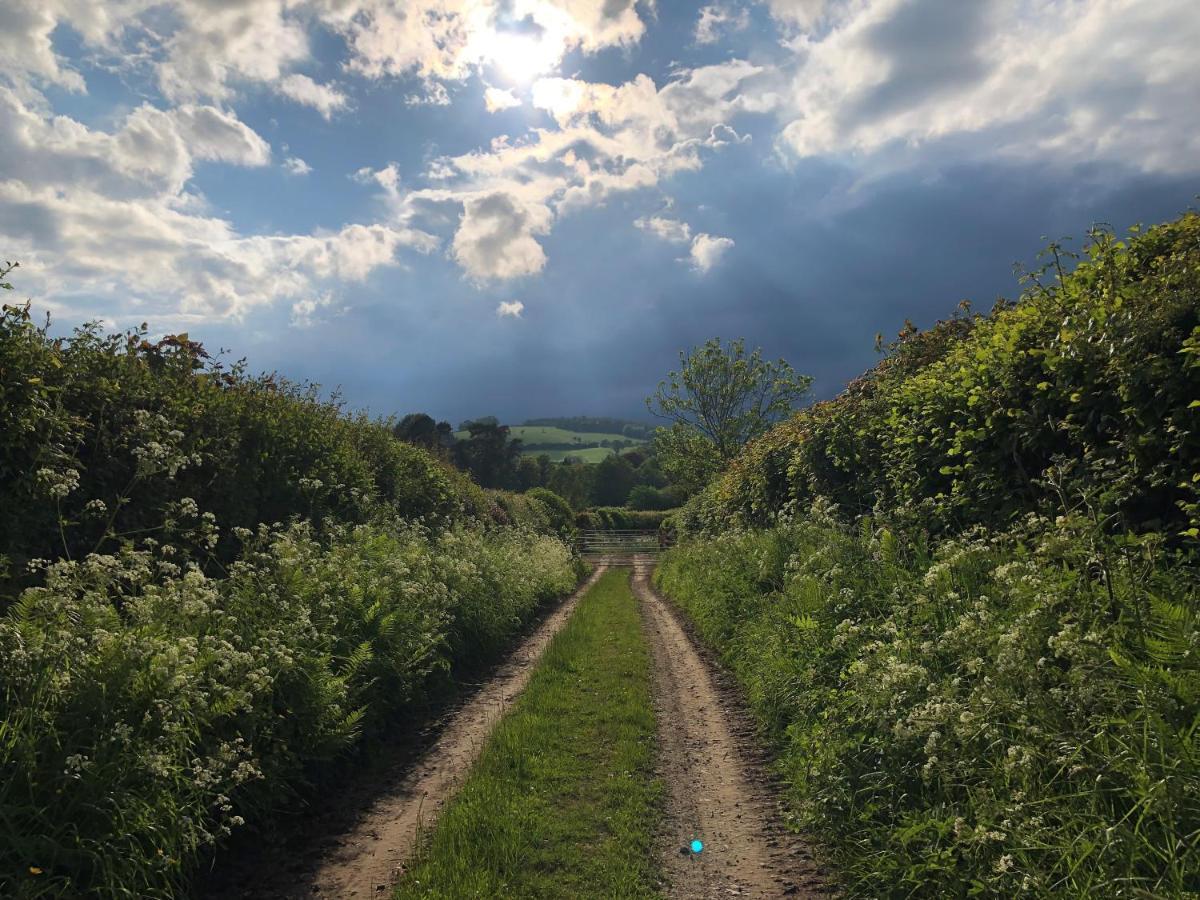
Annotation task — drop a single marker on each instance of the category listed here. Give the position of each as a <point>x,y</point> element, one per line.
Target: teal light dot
<point>697,846</point>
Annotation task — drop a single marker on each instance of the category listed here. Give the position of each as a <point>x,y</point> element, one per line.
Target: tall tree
<point>719,399</point>
<point>488,454</point>
<point>572,481</point>
<point>529,474</point>
<point>613,479</point>
<point>417,428</point>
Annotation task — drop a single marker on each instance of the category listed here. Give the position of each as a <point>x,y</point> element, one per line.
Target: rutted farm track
<point>715,785</point>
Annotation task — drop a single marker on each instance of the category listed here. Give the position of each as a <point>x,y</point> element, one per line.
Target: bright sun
<point>519,58</point>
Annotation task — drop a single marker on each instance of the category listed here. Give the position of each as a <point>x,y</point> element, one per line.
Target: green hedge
<point>150,710</point>
<point>171,667</point>
<point>1081,393</point>
<point>967,615</point>
<point>94,418</point>
<point>557,510</point>
<point>619,517</point>
<point>988,719</point>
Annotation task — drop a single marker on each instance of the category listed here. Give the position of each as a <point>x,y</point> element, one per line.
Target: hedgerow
<point>149,709</point>
<point>985,718</point>
<point>618,517</point>
<point>1086,385</point>
<point>217,586</point>
<point>84,419</point>
<point>962,595</point>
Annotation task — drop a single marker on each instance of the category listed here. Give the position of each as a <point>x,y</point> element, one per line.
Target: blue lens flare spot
<point>697,846</point>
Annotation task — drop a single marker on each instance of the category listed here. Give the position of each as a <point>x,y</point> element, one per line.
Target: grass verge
<point>563,802</point>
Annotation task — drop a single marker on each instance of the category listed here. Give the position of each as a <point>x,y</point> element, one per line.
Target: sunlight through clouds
<point>267,91</point>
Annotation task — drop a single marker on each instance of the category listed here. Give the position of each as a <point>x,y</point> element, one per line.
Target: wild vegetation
<point>216,587</point>
<point>563,802</point>
<point>961,596</point>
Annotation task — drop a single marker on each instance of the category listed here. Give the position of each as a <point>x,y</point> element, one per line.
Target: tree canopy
<point>719,399</point>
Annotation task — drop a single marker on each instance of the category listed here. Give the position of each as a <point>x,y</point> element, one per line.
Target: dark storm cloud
<point>814,290</point>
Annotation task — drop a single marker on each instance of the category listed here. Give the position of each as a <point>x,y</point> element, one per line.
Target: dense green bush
<point>558,511</point>
<point>1084,387</point>
<point>149,709</point>
<point>1010,715</point>
<point>978,654</point>
<point>213,586</point>
<point>648,497</point>
<point>609,518</point>
<point>87,421</point>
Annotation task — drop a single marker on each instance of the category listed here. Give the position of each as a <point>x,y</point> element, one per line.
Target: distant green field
<point>585,442</point>
<point>544,434</point>
<point>587,454</point>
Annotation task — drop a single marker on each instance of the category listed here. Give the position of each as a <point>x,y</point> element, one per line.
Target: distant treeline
<point>597,425</point>
<point>495,459</point>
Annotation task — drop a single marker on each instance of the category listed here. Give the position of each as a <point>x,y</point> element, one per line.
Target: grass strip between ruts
<point>563,801</point>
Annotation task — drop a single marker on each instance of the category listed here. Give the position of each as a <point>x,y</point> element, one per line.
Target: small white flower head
<point>58,484</point>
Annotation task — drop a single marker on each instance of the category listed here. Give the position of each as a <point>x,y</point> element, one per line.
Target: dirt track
<point>717,790</point>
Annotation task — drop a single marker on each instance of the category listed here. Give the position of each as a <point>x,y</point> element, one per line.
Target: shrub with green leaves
<point>148,709</point>
<point>1092,376</point>
<point>212,588</point>
<point>87,421</point>
<point>557,510</point>
<point>608,518</point>
<point>1004,714</point>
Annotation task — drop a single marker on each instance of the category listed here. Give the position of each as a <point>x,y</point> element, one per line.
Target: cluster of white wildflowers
<point>155,708</point>
<point>157,445</point>
<point>57,483</point>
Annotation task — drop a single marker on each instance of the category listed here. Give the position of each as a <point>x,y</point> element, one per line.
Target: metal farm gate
<point>620,546</point>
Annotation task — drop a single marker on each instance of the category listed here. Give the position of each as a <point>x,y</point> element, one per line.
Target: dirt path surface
<point>717,788</point>
<point>369,853</point>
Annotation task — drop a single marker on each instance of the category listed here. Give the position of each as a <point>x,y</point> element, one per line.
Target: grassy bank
<point>562,802</point>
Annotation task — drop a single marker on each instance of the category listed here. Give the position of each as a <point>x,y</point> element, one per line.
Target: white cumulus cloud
<point>496,99</point>
<point>294,165</point>
<point>511,309</point>
<point>324,99</point>
<point>707,251</point>
<point>1060,80</point>
<point>672,230</point>
<point>716,20</point>
<point>109,215</point>
<point>495,238</point>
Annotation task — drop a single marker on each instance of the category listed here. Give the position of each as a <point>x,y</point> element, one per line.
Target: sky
<point>526,208</point>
